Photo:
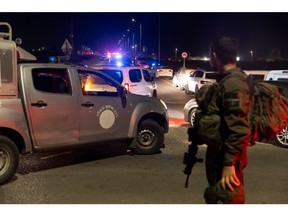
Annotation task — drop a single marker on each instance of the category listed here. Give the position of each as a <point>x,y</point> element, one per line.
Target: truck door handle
<point>39,104</point>
<point>134,85</point>
<point>88,104</point>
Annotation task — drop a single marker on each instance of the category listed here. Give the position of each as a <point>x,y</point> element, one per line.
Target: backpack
<point>269,110</point>
<point>268,113</point>
<point>207,119</point>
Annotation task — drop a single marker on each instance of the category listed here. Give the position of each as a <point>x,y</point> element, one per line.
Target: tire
<point>9,159</point>
<point>192,117</point>
<point>150,138</point>
<point>282,139</point>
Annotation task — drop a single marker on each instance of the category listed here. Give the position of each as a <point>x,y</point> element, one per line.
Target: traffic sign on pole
<point>184,55</point>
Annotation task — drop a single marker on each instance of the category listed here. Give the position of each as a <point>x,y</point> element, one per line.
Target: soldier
<point>227,157</point>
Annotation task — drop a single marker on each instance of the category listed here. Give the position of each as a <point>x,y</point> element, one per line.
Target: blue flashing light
<point>119,64</point>
<point>118,56</point>
<point>52,59</point>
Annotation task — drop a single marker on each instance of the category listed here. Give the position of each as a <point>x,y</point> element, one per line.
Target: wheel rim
<point>146,137</point>
<point>4,160</point>
<point>192,118</point>
<point>283,137</point>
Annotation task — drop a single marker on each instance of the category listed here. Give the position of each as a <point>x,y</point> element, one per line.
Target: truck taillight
<point>126,85</point>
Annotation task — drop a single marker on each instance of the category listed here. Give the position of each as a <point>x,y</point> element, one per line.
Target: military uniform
<point>232,100</point>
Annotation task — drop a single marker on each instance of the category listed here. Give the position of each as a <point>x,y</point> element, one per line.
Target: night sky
<point>187,31</point>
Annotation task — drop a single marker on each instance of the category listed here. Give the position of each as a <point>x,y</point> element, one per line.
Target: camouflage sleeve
<point>235,104</point>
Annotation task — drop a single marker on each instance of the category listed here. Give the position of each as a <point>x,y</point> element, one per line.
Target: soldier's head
<point>223,51</point>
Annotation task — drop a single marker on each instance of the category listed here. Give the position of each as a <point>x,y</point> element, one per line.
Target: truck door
<point>51,106</point>
<point>136,85</point>
<point>104,114</point>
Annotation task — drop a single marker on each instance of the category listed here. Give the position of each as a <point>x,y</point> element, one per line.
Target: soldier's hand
<point>229,178</point>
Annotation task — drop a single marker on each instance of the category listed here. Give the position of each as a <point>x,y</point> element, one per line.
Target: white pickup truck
<point>46,106</point>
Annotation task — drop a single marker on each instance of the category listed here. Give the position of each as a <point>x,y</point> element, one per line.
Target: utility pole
<point>140,38</point>
<point>159,39</point>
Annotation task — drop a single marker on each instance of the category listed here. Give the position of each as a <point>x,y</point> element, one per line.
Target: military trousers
<point>214,194</point>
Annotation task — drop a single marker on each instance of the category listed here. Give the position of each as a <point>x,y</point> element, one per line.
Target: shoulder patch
<point>231,99</point>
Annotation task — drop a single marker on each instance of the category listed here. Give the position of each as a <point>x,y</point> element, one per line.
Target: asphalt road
<point>109,174</point>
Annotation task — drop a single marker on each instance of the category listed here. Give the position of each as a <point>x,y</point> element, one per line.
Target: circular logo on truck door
<point>107,116</point>
<point>106,119</point>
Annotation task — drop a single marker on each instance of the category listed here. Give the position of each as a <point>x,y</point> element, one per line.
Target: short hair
<point>226,49</point>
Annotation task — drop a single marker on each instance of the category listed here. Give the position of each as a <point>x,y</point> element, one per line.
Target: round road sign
<point>184,55</point>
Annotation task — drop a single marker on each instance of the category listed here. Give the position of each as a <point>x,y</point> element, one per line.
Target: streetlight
<point>140,33</point>
<point>176,53</point>
<point>251,55</point>
<point>134,48</point>
<point>133,41</point>
<point>128,39</point>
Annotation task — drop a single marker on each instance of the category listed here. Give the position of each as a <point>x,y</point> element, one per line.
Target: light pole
<point>140,34</point>
<point>128,47</point>
<point>176,53</point>
<point>124,41</point>
<point>133,42</point>
<point>159,45</point>
<point>251,55</point>
<point>135,46</point>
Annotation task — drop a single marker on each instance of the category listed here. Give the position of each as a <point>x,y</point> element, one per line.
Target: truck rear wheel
<point>9,159</point>
<point>150,138</point>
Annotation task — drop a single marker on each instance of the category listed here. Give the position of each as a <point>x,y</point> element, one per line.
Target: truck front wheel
<point>9,159</point>
<point>150,138</point>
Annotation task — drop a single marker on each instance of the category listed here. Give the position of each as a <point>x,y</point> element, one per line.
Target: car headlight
<point>164,104</point>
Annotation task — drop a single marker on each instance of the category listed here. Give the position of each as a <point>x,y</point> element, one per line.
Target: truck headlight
<point>163,103</point>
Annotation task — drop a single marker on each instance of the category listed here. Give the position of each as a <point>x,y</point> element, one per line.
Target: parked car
<point>164,71</point>
<point>199,78</point>
<point>277,75</point>
<point>189,111</point>
<point>136,80</point>
<point>180,78</point>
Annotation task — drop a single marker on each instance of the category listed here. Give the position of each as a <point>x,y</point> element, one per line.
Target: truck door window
<point>96,84</point>
<point>52,80</point>
<point>116,74</point>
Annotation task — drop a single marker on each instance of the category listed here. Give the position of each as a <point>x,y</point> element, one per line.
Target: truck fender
<point>13,123</point>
